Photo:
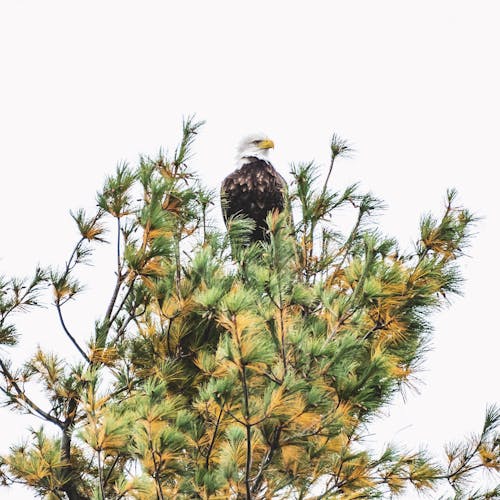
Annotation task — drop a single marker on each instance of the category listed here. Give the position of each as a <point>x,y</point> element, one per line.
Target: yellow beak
<point>266,144</point>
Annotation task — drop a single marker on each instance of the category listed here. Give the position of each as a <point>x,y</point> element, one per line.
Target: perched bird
<point>255,188</point>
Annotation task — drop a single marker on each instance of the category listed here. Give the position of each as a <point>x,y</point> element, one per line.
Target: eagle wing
<point>253,190</point>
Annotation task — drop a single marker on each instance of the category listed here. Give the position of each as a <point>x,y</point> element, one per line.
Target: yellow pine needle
<point>106,356</point>
<point>175,306</point>
<point>308,421</point>
<point>291,456</point>
<point>489,458</point>
<point>238,323</point>
<point>154,267</point>
<point>62,292</point>
<point>259,368</point>
<point>356,474</point>
<point>172,204</point>
<point>223,369</point>
<point>93,232</point>
<point>400,372</point>
<point>334,445</point>
<point>156,233</point>
<point>206,362</point>
<point>106,433</point>
<point>91,404</point>
<point>395,482</point>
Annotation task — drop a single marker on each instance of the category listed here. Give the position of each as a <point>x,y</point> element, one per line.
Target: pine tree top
<point>225,369</point>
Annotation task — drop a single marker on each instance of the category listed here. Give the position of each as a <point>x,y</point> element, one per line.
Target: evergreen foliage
<point>221,369</point>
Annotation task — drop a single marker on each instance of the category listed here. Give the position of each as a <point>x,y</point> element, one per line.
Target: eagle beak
<point>266,144</point>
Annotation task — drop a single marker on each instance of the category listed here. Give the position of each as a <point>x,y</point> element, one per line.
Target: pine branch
<point>21,397</point>
<point>248,430</point>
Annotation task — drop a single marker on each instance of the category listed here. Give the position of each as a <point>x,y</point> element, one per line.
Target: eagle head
<point>254,145</point>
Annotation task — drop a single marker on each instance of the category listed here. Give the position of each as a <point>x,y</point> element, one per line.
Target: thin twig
<point>257,481</point>
<point>212,442</point>
<point>99,468</point>
<point>122,303</point>
<point>66,331</point>
<point>330,169</point>
<point>108,475</point>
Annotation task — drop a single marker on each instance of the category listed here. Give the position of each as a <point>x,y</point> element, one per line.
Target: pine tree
<point>224,370</point>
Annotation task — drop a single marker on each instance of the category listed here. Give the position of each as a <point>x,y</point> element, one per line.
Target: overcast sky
<point>413,85</point>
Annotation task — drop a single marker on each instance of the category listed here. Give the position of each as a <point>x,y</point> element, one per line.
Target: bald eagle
<point>255,188</point>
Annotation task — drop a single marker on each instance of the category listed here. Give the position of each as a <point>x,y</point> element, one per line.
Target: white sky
<point>413,85</point>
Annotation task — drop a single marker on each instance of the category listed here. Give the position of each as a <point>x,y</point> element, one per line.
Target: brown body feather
<point>253,190</point>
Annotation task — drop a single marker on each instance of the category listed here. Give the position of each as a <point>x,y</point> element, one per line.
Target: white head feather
<point>253,146</point>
